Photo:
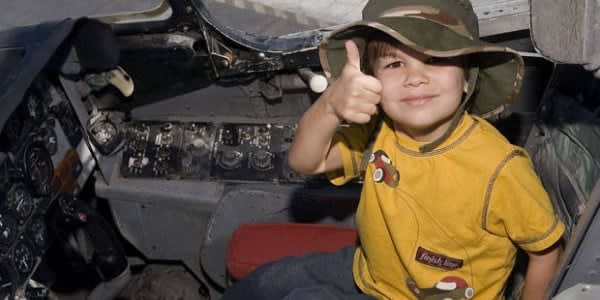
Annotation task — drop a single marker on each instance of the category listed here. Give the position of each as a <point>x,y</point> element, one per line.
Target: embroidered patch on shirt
<point>384,169</point>
<point>437,260</point>
<point>449,287</point>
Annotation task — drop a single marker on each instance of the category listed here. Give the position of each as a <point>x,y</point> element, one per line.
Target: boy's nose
<point>416,75</point>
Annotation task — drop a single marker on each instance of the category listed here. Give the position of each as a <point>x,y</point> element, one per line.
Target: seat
<point>253,245</point>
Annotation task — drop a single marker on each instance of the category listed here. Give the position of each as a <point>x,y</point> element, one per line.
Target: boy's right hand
<point>354,96</point>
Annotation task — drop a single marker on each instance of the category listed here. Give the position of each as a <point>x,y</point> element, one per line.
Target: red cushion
<point>252,245</point>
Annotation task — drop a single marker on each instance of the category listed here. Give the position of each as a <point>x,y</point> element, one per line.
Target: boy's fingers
<point>373,84</point>
<point>368,96</point>
<point>352,54</point>
<point>367,108</point>
<point>358,118</point>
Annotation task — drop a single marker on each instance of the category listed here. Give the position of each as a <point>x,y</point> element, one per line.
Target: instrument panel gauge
<point>105,135</point>
<point>38,168</point>
<point>23,258</point>
<point>262,160</point>
<point>19,201</point>
<point>230,159</point>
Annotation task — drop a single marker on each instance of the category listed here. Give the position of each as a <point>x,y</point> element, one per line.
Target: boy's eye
<point>394,64</point>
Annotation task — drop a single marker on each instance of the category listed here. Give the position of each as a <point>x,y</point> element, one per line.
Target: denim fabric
<point>312,276</point>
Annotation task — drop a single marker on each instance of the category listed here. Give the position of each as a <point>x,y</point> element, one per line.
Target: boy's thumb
<point>352,54</point>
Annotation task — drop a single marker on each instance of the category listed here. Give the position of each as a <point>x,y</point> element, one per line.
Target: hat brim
<point>500,68</point>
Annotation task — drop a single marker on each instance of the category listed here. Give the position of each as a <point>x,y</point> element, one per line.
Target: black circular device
<point>23,257</point>
<point>20,202</point>
<point>230,159</point>
<point>262,160</point>
<point>38,168</point>
<point>105,135</point>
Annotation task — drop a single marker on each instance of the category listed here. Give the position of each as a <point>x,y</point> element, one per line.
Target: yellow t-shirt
<point>444,224</point>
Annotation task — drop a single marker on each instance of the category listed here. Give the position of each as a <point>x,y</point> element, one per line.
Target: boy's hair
<point>379,45</point>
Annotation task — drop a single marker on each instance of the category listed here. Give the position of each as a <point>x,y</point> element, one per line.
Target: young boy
<point>446,200</point>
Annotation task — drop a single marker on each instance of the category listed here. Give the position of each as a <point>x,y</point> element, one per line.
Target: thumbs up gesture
<point>354,96</point>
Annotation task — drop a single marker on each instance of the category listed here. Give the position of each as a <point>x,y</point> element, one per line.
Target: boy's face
<point>420,93</point>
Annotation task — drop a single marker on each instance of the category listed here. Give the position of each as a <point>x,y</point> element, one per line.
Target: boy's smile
<point>420,93</point>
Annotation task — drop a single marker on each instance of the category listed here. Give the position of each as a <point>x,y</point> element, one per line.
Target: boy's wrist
<point>329,109</point>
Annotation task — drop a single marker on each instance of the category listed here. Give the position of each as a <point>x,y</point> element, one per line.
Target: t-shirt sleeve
<point>351,141</point>
<point>519,208</point>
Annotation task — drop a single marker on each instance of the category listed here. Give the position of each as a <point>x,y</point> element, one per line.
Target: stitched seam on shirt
<point>543,236</point>
<point>441,150</point>
<point>352,155</point>
<point>490,185</point>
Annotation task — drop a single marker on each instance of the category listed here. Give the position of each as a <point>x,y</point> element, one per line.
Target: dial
<point>230,159</point>
<point>262,160</point>
<point>23,258</point>
<point>104,132</point>
<point>19,200</point>
<point>105,136</point>
<point>38,168</point>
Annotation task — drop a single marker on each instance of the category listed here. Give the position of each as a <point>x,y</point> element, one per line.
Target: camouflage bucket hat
<point>439,28</point>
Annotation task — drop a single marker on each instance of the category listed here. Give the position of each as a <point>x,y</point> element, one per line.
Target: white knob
<point>316,82</point>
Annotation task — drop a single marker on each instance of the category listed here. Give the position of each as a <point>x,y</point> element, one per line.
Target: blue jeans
<point>326,276</point>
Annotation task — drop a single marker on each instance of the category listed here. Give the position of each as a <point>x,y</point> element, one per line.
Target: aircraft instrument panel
<point>244,152</point>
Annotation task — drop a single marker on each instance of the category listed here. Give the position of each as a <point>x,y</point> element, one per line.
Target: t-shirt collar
<point>411,146</point>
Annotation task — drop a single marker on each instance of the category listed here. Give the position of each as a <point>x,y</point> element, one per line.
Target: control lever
<point>316,82</point>
<point>117,77</point>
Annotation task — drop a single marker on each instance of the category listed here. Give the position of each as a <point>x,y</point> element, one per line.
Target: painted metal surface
<point>496,16</point>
